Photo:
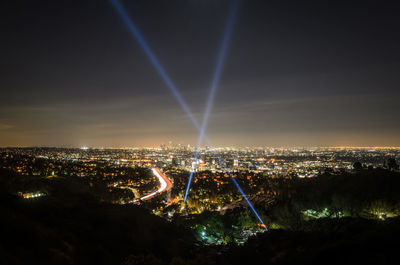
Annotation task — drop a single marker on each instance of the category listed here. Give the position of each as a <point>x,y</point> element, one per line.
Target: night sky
<point>297,73</point>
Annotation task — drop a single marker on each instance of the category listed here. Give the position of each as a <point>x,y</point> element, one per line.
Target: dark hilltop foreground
<point>71,226</point>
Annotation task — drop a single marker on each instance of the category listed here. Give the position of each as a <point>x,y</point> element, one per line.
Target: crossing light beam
<point>214,84</point>
<point>171,86</point>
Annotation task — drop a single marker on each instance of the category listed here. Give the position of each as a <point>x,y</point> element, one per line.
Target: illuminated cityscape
<point>270,162</point>
<point>125,171</point>
<point>199,132</point>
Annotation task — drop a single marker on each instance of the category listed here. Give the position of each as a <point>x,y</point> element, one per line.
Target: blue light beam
<point>139,38</point>
<point>247,200</point>
<point>214,84</point>
<point>222,162</point>
<point>153,59</point>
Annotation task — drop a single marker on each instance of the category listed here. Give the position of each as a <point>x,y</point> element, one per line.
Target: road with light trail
<point>165,185</point>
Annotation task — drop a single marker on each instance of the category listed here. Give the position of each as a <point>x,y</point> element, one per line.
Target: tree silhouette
<point>392,165</point>
<point>357,165</point>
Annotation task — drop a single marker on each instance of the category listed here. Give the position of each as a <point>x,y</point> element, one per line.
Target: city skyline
<point>171,132</point>
<point>205,147</point>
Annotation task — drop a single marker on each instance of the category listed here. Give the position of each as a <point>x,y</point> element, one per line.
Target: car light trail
<point>153,59</point>
<point>164,181</point>
<point>214,84</point>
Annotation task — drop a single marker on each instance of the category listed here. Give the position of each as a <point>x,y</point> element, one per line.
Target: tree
<point>357,165</point>
<point>392,165</point>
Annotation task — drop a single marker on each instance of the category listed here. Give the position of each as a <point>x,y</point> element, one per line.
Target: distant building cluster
<point>124,175</point>
<point>272,162</point>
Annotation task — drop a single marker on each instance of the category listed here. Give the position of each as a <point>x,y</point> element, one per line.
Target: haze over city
<point>199,132</point>
<point>299,74</point>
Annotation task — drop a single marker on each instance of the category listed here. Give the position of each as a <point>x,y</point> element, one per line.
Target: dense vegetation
<point>69,226</point>
<point>370,194</point>
<point>333,219</point>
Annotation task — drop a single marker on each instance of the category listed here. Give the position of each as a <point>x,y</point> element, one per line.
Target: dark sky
<point>297,73</point>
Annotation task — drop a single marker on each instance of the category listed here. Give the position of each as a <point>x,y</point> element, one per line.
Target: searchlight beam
<point>171,86</point>
<point>153,59</point>
<point>214,84</point>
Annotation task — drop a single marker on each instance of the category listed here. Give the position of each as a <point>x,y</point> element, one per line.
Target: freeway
<point>165,184</point>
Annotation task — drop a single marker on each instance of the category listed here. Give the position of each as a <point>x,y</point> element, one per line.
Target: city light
<point>139,38</point>
<point>286,147</point>
<point>214,84</point>
<point>244,195</point>
<point>164,184</point>
<point>247,200</point>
